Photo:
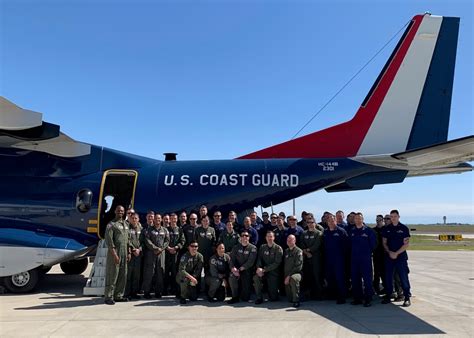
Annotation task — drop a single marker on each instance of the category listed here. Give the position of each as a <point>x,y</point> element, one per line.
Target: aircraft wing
<point>444,158</point>
<point>25,129</point>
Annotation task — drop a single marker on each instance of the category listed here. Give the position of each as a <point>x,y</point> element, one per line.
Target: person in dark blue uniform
<point>395,242</point>
<point>251,230</point>
<point>340,220</point>
<point>363,243</point>
<point>336,246</point>
<point>217,223</point>
<point>294,229</point>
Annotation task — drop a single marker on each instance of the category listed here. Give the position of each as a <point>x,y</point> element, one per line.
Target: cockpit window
<point>84,200</point>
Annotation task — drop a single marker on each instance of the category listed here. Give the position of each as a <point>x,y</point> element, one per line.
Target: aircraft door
<point>117,188</point>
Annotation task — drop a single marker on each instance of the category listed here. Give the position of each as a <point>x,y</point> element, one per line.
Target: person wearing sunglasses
<point>128,216</point>
<point>243,258</point>
<point>190,268</point>
<point>217,223</point>
<point>190,229</point>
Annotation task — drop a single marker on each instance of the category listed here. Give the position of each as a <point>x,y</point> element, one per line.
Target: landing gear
<point>22,282</point>
<point>75,267</point>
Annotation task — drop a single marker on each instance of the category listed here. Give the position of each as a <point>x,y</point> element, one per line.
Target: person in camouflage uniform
<point>172,252</point>
<point>218,278</point>
<point>156,240</point>
<point>268,268</point>
<point>135,258</point>
<point>293,266</point>
<point>311,243</point>
<point>243,258</point>
<point>116,238</point>
<point>190,268</point>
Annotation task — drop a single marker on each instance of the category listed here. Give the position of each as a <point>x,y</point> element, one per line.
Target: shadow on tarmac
<point>66,292</point>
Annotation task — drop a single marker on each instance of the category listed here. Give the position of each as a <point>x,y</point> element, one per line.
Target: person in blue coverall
<point>395,239</point>
<point>363,242</point>
<point>336,246</point>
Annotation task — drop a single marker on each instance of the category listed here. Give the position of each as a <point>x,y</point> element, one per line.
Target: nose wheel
<point>21,279</point>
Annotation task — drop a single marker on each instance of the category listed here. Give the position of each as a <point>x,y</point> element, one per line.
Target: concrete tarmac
<point>442,305</point>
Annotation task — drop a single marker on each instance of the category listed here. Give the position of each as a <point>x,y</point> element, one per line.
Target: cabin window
<point>84,200</point>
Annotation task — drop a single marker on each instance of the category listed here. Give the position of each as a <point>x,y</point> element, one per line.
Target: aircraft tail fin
<point>407,107</point>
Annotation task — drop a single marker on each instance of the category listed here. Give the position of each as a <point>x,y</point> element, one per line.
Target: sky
<point>219,79</point>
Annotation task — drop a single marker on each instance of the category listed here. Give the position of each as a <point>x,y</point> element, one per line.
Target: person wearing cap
<point>242,264</point>
<point>190,268</point>
<point>268,264</point>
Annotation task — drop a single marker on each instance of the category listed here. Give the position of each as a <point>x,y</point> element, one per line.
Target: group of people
<point>275,254</point>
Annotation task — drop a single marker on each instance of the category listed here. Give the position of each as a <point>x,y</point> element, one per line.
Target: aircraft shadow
<point>66,291</point>
<point>64,304</point>
<point>380,319</point>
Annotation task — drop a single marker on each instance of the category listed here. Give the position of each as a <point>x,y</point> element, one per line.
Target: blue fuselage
<point>39,190</point>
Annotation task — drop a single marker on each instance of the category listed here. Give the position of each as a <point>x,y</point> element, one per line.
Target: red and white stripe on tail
<point>384,122</point>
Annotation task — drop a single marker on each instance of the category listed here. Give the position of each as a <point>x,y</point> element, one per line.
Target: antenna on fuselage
<point>170,156</point>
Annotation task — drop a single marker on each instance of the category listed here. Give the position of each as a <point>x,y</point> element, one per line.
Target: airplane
<point>58,194</point>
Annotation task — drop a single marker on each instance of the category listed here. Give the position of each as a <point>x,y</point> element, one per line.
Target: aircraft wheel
<point>75,267</point>
<point>22,282</point>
